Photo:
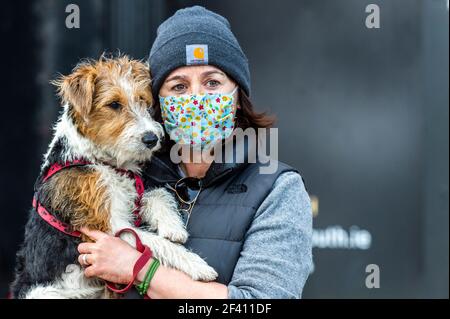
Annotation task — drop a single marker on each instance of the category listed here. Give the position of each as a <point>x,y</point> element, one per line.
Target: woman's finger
<point>86,248</point>
<point>93,234</point>
<point>86,259</point>
<point>89,272</point>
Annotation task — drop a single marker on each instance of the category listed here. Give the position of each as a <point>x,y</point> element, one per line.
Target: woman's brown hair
<point>246,116</point>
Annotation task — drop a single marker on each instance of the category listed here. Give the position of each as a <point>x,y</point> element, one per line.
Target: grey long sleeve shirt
<point>276,258</point>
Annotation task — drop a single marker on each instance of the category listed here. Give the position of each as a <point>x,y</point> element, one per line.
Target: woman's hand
<point>112,259</point>
<point>109,258</point>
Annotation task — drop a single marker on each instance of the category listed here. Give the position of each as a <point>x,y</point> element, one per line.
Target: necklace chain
<point>191,203</point>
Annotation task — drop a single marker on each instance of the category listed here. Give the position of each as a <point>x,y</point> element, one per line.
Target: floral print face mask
<point>200,120</point>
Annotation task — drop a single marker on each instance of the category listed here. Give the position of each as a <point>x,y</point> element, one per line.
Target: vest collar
<point>161,170</point>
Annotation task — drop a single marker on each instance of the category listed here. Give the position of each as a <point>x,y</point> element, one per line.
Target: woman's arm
<point>276,258</point>
<point>172,283</point>
<point>112,259</point>
<point>275,261</point>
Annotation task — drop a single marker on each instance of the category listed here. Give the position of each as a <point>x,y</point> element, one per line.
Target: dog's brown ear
<point>78,88</point>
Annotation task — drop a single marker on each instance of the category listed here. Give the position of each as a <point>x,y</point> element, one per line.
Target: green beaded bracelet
<point>143,286</point>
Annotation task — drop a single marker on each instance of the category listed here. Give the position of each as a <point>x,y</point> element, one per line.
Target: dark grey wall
<point>363,114</point>
<point>434,68</point>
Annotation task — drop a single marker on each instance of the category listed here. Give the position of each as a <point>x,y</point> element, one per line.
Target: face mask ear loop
<point>232,94</point>
<point>234,91</point>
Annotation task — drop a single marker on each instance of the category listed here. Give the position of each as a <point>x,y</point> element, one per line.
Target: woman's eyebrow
<point>204,74</point>
<point>175,77</point>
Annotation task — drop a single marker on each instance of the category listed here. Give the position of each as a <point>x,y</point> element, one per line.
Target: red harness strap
<point>53,221</point>
<point>56,167</point>
<point>66,228</point>
<point>139,185</point>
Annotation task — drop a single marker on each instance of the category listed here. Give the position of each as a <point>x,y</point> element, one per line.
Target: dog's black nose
<point>150,139</point>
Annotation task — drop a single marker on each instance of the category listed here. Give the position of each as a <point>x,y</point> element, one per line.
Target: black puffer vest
<point>224,210</point>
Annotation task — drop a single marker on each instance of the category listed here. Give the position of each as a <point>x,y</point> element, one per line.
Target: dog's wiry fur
<point>105,115</point>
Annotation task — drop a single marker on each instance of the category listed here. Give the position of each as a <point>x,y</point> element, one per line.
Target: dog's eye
<point>115,105</point>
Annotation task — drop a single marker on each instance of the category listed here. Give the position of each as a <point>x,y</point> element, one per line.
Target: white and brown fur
<point>106,106</point>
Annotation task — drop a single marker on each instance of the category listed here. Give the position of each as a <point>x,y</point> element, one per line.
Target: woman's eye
<point>115,105</point>
<point>179,87</point>
<point>213,83</point>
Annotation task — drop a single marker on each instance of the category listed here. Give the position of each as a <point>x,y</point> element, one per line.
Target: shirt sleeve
<point>276,258</point>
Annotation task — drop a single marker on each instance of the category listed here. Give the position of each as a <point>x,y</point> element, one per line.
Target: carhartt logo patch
<point>196,54</point>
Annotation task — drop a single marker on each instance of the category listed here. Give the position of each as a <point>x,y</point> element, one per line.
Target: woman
<point>254,229</point>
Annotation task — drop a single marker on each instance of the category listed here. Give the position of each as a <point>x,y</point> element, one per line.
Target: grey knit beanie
<point>194,36</point>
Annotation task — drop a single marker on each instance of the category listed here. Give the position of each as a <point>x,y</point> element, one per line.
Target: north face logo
<point>237,188</point>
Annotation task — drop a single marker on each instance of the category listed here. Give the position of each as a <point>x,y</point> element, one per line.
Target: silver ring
<point>84,259</point>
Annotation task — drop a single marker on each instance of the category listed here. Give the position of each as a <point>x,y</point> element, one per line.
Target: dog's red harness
<point>68,230</point>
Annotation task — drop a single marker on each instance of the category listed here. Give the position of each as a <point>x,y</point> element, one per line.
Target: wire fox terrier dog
<point>90,178</point>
